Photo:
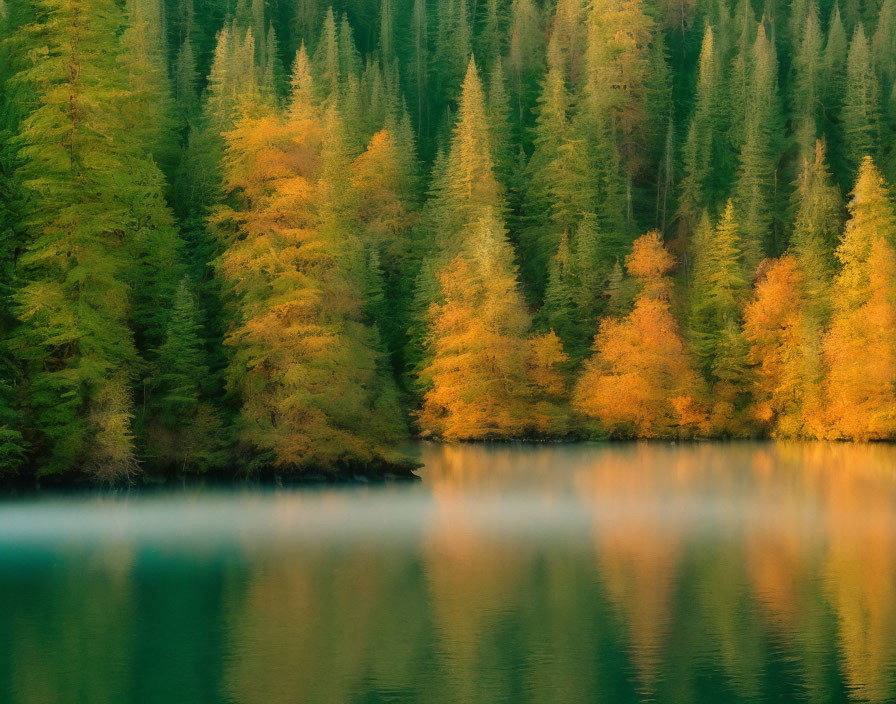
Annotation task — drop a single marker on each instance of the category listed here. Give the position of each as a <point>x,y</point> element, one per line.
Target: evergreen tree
<point>702,149</point>
<point>808,82</point>
<point>469,188</point>
<point>717,293</point>
<point>96,196</point>
<point>816,229</point>
<point>861,112</point>
<point>756,188</point>
<point>187,432</point>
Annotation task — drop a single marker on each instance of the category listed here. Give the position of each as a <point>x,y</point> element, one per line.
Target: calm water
<point>626,573</point>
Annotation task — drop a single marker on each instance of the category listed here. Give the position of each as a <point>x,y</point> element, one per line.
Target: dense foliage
<point>265,234</point>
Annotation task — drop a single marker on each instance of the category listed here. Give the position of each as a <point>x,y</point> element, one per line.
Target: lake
<point>642,572</point>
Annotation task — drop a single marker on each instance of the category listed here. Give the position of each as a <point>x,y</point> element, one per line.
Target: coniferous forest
<point>250,235</point>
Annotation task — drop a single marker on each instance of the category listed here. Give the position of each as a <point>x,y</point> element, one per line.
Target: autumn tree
<point>306,367</point>
<point>640,381</point>
<point>486,377</point>
<point>858,349</point>
<point>785,353</point>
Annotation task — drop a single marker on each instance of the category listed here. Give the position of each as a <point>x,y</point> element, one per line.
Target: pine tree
<point>640,382</point>
<point>188,432</point>
<point>883,43</point>
<point>144,55</point>
<point>559,310</point>
<point>816,229</point>
<point>756,188</point>
<point>327,68</point>
<point>302,104</point>
<point>13,99</point>
<point>717,293</point>
<point>836,52</point>
<point>470,188</point>
<point>185,84</point>
<point>619,36</point>
<point>96,197</point>
<point>861,112</point>
<point>545,210</point>
<point>702,149</point>
<point>718,285</point>
<point>387,36</point>
<point>808,81</point>
<point>498,110</point>
<point>524,60</point>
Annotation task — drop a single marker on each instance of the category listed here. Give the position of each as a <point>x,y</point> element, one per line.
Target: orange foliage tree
<point>784,351</point>
<point>487,379</point>
<point>859,347</point>
<point>640,382</point>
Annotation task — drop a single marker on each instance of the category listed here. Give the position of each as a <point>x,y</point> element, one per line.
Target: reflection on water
<point>623,573</point>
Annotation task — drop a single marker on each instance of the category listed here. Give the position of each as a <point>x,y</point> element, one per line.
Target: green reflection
<point>646,572</point>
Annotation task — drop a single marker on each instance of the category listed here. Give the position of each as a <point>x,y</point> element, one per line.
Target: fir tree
<point>816,229</point>
<point>91,183</point>
<point>756,188</point>
<point>861,114</point>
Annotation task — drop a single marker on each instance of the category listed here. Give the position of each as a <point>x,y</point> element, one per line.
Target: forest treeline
<point>252,234</point>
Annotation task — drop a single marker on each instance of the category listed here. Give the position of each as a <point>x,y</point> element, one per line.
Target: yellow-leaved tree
<point>859,346</point>
<point>784,351</point>
<point>486,378</point>
<point>306,366</point>
<point>641,382</point>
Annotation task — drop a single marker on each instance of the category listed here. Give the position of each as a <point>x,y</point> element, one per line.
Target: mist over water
<point>630,572</point>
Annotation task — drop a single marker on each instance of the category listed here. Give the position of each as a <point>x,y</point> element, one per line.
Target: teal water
<point>747,572</point>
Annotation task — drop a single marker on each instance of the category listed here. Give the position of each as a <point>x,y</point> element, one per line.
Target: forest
<point>245,236</point>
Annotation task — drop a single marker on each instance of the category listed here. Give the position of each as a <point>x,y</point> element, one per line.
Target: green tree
<point>861,104</point>
<point>818,223</point>
<point>74,340</point>
<point>756,191</point>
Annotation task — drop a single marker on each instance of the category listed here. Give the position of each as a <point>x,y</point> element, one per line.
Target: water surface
<point>745,572</point>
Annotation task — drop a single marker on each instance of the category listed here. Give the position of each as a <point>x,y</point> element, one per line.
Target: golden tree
<point>640,382</point>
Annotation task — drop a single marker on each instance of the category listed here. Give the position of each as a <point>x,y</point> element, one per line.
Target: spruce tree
<point>185,431</point>
<point>756,188</point>
<point>701,152</point>
<point>808,82</point>
<point>816,229</point>
<point>74,342</point>
<point>861,104</point>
